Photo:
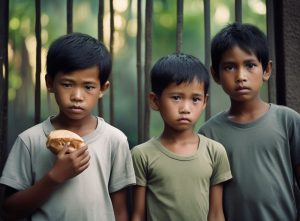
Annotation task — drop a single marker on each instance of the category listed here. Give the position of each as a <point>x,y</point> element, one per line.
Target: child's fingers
<point>64,150</point>
<point>80,151</point>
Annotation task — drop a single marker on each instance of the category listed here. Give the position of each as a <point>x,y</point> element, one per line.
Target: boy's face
<point>241,74</point>
<point>180,105</point>
<point>76,92</point>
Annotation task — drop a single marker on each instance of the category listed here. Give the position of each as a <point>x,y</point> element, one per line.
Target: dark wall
<point>287,50</point>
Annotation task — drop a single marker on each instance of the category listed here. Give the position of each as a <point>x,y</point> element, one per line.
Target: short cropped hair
<point>78,51</point>
<point>178,68</point>
<point>246,36</point>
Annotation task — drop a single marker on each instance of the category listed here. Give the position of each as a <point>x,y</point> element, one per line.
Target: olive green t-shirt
<point>262,155</point>
<point>177,186</point>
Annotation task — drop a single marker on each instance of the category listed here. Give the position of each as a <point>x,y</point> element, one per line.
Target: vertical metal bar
<point>4,15</point>
<point>179,29</point>
<point>69,16</point>
<point>100,37</point>
<point>271,40</point>
<point>111,48</point>
<point>148,61</point>
<point>280,55</point>
<point>140,104</point>
<point>207,34</point>
<point>37,116</point>
<point>238,10</point>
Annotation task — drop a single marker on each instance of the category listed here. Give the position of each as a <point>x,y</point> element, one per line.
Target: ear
<point>104,88</point>
<point>215,75</point>
<point>205,101</point>
<point>268,71</point>
<point>49,83</point>
<point>153,101</point>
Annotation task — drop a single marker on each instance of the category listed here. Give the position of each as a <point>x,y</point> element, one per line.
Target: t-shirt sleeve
<point>221,167</point>
<point>294,137</point>
<point>17,170</point>
<point>122,172</point>
<point>139,164</point>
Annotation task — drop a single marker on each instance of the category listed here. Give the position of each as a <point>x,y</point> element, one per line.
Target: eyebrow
<point>246,60</point>
<point>181,93</point>
<point>88,81</point>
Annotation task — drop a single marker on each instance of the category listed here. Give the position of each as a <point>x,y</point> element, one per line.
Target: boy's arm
<point>119,202</point>
<point>215,212</point>
<point>19,204</point>
<point>139,203</point>
<point>297,175</point>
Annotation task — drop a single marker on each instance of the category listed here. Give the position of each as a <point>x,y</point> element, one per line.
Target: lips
<point>242,89</point>
<point>184,120</point>
<point>76,109</point>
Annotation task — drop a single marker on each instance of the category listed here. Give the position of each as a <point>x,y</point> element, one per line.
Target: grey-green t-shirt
<point>177,186</point>
<point>85,197</point>
<point>262,155</point>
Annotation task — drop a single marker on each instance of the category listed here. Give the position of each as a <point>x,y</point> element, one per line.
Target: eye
<point>66,84</point>
<point>229,67</point>
<point>90,87</point>
<point>251,65</point>
<point>196,99</point>
<point>175,97</point>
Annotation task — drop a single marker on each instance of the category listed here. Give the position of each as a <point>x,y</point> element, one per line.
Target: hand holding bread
<point>57,139</point>
<point>69,163</point>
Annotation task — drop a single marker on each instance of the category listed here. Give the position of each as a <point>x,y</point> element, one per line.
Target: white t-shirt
<point>84,197</point>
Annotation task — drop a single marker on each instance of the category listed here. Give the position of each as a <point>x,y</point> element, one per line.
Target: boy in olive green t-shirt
<point>179,174</point>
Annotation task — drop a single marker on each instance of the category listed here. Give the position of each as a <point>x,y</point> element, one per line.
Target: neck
<point>178,136</point>
<point>247,111</point>
<point>81,127</point>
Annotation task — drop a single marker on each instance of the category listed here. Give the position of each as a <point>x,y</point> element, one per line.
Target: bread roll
<point>58,138</point>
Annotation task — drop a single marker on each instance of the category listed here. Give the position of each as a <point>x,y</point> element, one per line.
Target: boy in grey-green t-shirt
<point>262,140</point>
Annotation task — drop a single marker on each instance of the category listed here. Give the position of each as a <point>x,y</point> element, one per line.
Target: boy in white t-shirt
<point>89,183</point>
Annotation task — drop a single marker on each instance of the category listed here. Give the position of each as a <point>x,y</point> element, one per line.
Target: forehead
<point>238,53</point>
<point>82,74</point>
<point>194,86</point>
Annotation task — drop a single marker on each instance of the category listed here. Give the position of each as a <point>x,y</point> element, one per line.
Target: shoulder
<point>34,134</point>
<point>212,146</point>
<point>144,148</point>
<point>285,116</point>
<point>284,111</point>
<point>111,132</point>
<point>214,122</point>
<point>146,151</point>
<point>216,119</point>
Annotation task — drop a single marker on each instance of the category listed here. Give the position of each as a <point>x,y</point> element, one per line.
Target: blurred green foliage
<point>22,48</point>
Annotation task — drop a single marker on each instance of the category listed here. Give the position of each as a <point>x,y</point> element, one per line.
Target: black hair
<point>246,36</point>
<point>178,68</point>
<point>78,51</point>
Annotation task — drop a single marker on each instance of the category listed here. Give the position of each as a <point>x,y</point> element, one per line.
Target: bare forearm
<point>216,217</point>
<point>24,203</point>
<point>136,217</point>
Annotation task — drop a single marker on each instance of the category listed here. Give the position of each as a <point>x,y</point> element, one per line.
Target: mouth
<point>76,109</point>
<point>184,120</point>
<point>242,89</point>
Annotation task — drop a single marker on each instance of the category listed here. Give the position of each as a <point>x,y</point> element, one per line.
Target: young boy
<point>179,174</point>
<point>89,183</point>
<point>262,140</point>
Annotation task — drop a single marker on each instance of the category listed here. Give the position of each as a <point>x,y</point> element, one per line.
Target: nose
<point>77,94</point>
<point>241,75</point>
<point>184,108</point>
